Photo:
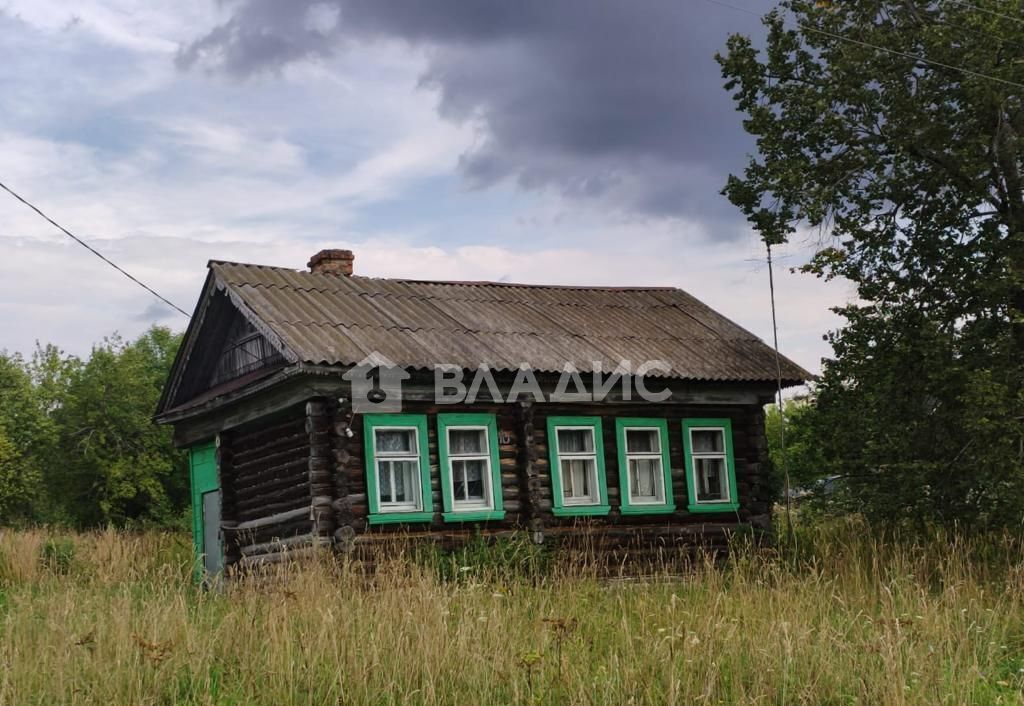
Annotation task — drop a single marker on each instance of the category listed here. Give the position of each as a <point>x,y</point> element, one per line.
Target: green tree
<point>909,170</point>
<point>116,466</point>
<point>802,456</point>
<point>26,434</point>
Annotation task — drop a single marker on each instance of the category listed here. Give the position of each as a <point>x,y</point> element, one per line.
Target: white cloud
<point>138,25</point>
<point>162,171</point>
<point>59,293</point>
<point>223,146</point>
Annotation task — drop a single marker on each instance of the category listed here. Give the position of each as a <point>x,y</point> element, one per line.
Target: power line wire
<point>977,32</point>
<point>897,52</point>
<point>98,254</point>
<point>1011,18</point>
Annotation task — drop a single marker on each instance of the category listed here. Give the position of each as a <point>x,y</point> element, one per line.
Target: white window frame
<point>659,499</point>
<point>595,487</point>
<point>723,455</point>
<point>488,500</point>
<point>417,504</point>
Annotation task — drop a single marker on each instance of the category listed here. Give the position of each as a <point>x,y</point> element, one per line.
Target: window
<point>645,474</point>
<point>397,468</point>
<point>576,452</point>
<point>470,472</point>
<point>710,467</point>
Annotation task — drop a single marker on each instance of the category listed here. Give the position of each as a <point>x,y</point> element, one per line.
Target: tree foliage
<point>25,436</point>
<point>909,172</point>
<point>800,456</point>
<point>77,440</point>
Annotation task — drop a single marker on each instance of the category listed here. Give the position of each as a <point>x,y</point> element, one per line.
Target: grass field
<point>111,618</point>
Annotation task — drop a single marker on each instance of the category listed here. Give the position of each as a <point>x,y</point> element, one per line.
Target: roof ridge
<point>461,283</point>
<point>491,283</point>
<point>465,329</point>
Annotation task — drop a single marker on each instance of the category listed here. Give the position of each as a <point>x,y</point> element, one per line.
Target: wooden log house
<point>322,408</point>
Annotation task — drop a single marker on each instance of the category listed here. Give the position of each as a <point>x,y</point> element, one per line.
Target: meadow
<point>845,616</point>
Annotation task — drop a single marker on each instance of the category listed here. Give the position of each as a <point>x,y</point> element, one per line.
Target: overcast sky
<point>577,142</point>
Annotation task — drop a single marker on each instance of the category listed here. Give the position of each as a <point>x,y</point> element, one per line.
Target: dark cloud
<point>606,100</point>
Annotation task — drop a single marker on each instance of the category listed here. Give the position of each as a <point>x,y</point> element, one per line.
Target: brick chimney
<point>332,262</point>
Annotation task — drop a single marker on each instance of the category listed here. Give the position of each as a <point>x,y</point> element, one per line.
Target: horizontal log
<point>249,499</point>
<point>266,560</point>
<point>282,530</point>
<point>272,486</point>
<point>295,472</point>
<point>272,519</point>
<point>277,545</point>
<point>257,437</point>
<point>273,445</point>
<point>296,458</point>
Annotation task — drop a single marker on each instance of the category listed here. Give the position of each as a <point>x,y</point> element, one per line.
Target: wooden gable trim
<point>253,318</point>
<point>184,354</point>
<point>192,338</point>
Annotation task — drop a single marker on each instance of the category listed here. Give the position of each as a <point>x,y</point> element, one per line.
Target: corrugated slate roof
<point>337,320</point>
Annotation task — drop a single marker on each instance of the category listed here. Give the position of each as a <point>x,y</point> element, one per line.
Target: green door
<point>206,537</point>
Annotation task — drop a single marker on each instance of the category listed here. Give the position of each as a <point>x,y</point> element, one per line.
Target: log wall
<point>267,497</point>
<point>297,480</point>
<point>526,482</point>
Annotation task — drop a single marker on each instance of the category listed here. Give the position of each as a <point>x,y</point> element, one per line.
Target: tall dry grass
<point>847,618</point>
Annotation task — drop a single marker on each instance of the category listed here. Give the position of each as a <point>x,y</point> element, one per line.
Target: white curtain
<point>466,441</point>
<point>575,441</point>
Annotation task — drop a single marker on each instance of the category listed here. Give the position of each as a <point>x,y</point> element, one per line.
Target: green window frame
<point>423,509</point>
<point>492,508</point>
<point>560,507</point>
<point>729,503</point>
<point>665,503</point>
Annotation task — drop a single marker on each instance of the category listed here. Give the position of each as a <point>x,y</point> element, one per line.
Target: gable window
<point>470,472</point>
<point>710,466</point>
<point>645,474</point>
<point>576,453</point>
<point>397,468</point>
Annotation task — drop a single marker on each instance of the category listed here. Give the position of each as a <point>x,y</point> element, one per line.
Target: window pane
<point>642,441</point>
<point>384,482</point>
<point>645,474</point>
<point>401,485</point>
<point>467,441</point>
<point>468,479</point>
<point>396,440</point>
<point>708,441</point>
<point>710,479</point>
<point>398,481</point>
<point>578,478</point>
<point>575,441</point>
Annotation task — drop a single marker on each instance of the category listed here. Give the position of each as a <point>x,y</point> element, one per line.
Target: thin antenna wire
<point>782,413</point>
<point>98,254</point>
<point>897,52</point>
